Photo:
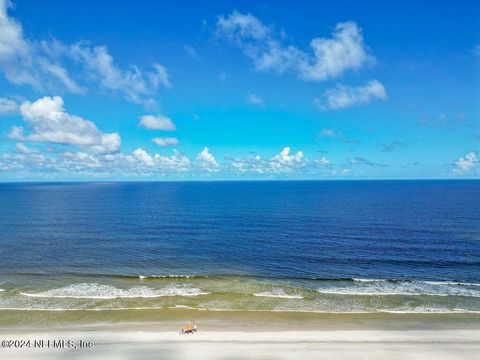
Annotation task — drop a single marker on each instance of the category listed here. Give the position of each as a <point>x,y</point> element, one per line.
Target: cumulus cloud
<point>283,162</point>
<point>255,100</point>
<point>464,165</point>
<point>138,163</point>
<point>155,163</point>
<point>16,133</point>
<point>8,106</point>
<point>323,161</point>
<point>142,163</point>
<point>141,155</point>
<point>48,122</point>
<point>284,157</point>
<point>328,58</point>
<point>157,122</point>
<point>252,164</point>
<point>44,65</point>
<point>343,96</point>
<point>206,160</point>
<point>109,143</point>
<point>165,141</point>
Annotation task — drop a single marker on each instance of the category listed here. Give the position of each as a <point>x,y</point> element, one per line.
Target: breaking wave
<point>278,293</point>
<point>100,291</point>
<point>399,287</point>
<point>143,277</point>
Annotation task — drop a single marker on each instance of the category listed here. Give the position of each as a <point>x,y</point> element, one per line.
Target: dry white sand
<point>123,343</point>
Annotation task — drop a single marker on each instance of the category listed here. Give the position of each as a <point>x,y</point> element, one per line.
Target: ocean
<point>101,248</point>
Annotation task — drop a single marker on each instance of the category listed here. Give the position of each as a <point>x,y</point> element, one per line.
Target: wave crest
<point>372,287</point>
<point>278,293</point>
<point>100,291</point>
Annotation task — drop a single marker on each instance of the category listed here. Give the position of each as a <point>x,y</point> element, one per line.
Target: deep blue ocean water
<point>59,235</point>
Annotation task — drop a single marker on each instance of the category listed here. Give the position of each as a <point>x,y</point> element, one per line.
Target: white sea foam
<point>395,311</point>
<point>432,282</point>
<point>452,283</point>
<point>368,280</point>
<point>278,293</point>
<point>165,276</point>
<point>100,291</point>
<point>182,307</point>
<point>415,288</point>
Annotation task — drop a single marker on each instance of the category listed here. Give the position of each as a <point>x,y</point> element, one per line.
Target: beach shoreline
<point>340,344</point>
<point>168,319</point>
<point>353,336</point>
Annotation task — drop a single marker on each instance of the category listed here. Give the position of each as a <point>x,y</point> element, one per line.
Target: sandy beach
<point>351,338</point>
<point>340,344</point>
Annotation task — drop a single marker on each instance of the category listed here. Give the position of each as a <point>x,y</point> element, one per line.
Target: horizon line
<point>229,180</point>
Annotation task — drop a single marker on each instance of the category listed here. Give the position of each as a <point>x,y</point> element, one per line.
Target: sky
<point>214,90</point>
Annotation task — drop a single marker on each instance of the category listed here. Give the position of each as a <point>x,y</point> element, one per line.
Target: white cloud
<point>464,164</point>
<point>165,141</point>
<point>157,122</point>
<point>341,172</point>
<point>332,134</point>
<point>190,51</point>
<point>328,133</point>
<point>343,96</point>
<point>109,143</point>
<point>330,57</point>
<point>284,162</point>
<point>16,133</point>
<point>175,162</point>
<point>239,27</point>
<point>206,160</point>
<point>142,164</point>
<point>141,155</point>
<point>323,161</point>
<point>23,62</point>
<point>24,149</point>
<point>206,156</point>
<point>284,156</point>
<point>344,51</point>
<point>48,122</point>
<point>133,84</point>
<point>8,106</point>
<point>255,100</point>
<point>253,164</point>
<point>44,65</point>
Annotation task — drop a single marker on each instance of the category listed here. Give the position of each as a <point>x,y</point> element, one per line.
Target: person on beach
<point>189,329</point>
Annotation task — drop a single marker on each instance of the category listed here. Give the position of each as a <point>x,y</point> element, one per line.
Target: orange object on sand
<point>189,329</point>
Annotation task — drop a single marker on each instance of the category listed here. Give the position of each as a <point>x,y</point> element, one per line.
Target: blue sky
<point>239,90</point>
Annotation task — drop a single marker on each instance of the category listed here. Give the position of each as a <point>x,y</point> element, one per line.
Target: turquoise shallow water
<point>326,247</point>
<point>238,293</point>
